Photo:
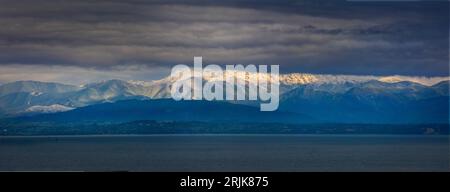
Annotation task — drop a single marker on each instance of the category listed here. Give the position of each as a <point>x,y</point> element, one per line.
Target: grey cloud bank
<point>336,37</point>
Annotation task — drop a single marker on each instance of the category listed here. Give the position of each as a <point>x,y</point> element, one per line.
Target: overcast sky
<point>78,41</point>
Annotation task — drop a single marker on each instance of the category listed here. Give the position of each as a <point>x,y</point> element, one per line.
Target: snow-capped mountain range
<point>41,97</point>
<point>48,109</point>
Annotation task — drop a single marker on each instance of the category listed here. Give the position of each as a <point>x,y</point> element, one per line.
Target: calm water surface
<point>225,153</point>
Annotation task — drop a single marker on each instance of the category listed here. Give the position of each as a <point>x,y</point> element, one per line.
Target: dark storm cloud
<point>302,36</point>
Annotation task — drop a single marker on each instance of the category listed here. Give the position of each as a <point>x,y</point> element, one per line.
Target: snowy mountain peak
<point>428,81</point>
<point>298,78</point>
<point>48,109</point>
<point>140,83</point>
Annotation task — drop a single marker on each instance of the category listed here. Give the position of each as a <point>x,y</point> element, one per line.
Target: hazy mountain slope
<point>65,95</point>
<point>370,102</point>
<point>35,87</point>
<point>106,91</point>
<point>169,110</point>
<point>442,87</point>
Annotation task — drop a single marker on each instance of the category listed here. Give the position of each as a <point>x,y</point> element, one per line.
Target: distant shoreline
<point>222,135</point>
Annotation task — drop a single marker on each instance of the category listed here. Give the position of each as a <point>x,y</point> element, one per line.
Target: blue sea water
<point>225,153</point>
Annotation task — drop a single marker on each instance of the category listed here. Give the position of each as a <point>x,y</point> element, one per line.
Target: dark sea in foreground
<point>225,153</point>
